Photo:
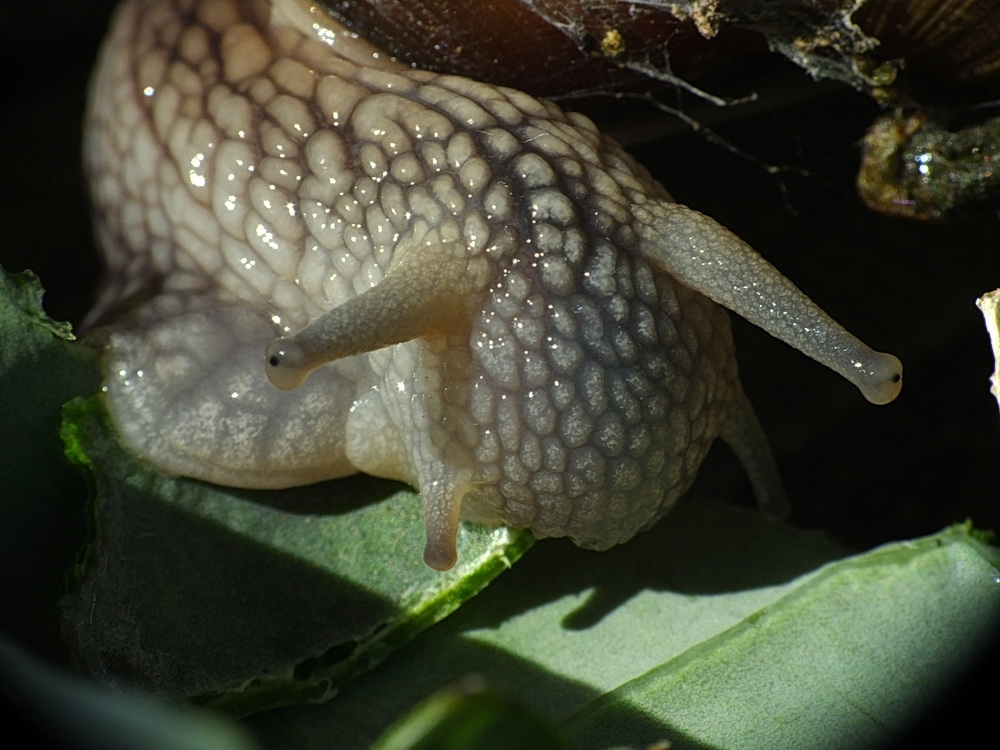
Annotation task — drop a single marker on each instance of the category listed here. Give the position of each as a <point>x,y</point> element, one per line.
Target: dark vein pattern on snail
<point>450,283</point>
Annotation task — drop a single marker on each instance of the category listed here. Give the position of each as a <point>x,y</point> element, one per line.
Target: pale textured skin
<point>531,359</point>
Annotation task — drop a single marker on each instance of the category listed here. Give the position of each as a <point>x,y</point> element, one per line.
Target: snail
<point>323,261</point>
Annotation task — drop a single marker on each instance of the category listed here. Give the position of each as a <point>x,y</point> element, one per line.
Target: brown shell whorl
<point>943,51</point>
<point>547,48</point>
<point>950,49</point>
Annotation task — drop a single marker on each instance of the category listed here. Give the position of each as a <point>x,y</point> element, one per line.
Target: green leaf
<point>94,716</point>
<point>245,600</point>
<point>566,625</point>
<point>846,660</point>
<point>41,496</point>
<point>470,716</point>
<point>713,630</point>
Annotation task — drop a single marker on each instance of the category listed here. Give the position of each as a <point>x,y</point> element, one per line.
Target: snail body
<point>322,261</point>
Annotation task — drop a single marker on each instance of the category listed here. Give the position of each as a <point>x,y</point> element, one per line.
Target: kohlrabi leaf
<point>471,716</point>
<point>566,626</point>
<point>56,708</point>
<point>245,600</point>
<point>849,659</point>
<point>41,495</point>
<point>715,630</point>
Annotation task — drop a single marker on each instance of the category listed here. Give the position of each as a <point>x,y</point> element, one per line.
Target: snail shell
<point>548,48</point>
<point>936,51</point>
<point>948,51</point>
<point>323,261</point>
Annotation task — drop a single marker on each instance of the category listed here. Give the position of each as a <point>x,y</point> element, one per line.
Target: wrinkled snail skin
<point>451,284</point>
